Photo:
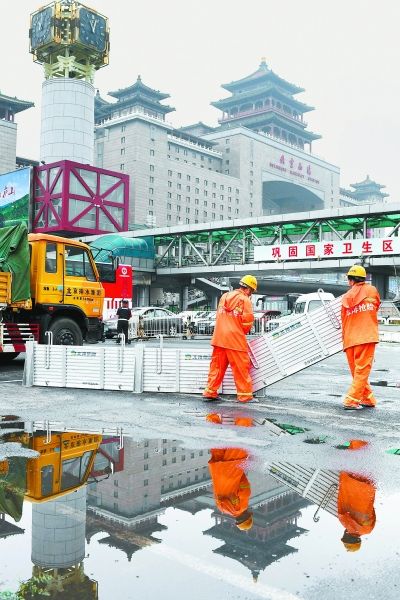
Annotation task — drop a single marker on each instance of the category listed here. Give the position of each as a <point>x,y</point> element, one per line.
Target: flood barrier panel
<point>296,345</point>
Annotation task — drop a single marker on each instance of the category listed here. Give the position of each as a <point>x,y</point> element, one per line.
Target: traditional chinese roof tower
<point>265,103</point>
<point>9,107</point>
<point>137,96</point>
<point>368,191</point>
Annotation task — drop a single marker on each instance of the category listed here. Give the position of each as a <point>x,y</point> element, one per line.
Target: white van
<point>304,304</point>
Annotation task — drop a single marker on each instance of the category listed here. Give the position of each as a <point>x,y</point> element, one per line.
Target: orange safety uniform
<point>231,486</point>
<point>360,335</point>
<point>238,421</point>
<point>234,319</point>
<point>355,504</point>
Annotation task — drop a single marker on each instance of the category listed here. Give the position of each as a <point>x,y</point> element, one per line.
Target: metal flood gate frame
<point>296,345</point>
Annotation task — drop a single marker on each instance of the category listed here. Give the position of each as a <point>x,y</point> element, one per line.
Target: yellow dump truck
<point>47,284</point>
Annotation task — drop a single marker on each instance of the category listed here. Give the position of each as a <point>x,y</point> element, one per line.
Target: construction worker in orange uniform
<point>356,496</point>
<point>231,486</point>
<point>360,335</point>
<point>234,319</point>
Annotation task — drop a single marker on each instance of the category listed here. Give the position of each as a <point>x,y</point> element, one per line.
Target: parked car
<point>150,321</point>
<point>205,324</point>
<point>110,327</point>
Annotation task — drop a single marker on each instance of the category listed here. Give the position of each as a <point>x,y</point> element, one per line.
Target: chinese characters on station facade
<point>295,167</point>
<point>323,250</point>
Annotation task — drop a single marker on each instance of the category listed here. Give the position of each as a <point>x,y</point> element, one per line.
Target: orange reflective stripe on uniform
<point>360,359</point>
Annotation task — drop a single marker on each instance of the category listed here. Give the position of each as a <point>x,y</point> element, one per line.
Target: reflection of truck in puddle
<point>55,463</point>
<point>50,469</point>
<point>63,463</point>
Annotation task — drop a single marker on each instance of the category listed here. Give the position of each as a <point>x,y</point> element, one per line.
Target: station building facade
<point>254,163</point>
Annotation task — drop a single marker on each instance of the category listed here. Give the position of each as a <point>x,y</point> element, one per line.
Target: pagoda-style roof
<point>264,75</point>
<point>137,94</point>
<point>139,88</point>
<point>368,185</point>
<point>7,529</point>
<point>263,99</point>
<point>256,121</point>
<point>13,104</point>
<point>258,93</point>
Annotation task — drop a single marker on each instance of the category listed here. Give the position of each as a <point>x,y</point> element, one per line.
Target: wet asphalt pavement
<point>157,513</point>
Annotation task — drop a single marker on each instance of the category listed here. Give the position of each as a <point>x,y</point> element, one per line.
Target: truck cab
<point>67,296</point>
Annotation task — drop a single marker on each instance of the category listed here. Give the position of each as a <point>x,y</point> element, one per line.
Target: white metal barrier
<point>101,368</point>
<point>301,342</point>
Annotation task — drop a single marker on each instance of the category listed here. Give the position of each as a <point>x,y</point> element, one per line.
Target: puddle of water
<point>86,514</point>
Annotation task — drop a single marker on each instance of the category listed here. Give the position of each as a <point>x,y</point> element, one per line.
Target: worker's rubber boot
<point>211,399</point>
<point>352,406</point>
<point>369,402</point>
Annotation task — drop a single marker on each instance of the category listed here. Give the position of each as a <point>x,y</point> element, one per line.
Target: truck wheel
<point>8,356</point>
<point>66,333</point>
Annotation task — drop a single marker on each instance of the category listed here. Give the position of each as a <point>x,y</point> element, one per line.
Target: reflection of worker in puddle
<point>220,419</point>
<point>356,496</point>
<point>231,486</point>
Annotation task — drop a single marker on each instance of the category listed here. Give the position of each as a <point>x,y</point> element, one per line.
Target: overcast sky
<point>345,53</point>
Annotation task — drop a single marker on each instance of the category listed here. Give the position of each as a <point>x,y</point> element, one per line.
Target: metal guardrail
<point>195,325</point>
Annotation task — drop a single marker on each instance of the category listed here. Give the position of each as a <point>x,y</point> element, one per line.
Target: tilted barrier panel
<point>317,485</point>
<point>296,345</point>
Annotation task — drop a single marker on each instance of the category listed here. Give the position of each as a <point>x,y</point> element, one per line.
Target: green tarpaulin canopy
<point>13,487</point>
<point>15,259</point>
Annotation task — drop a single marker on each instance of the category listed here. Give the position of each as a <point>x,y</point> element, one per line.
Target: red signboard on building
<point>70,197</point>
<point>322,250</point>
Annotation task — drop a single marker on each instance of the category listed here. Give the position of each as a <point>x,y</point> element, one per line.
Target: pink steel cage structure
<point>70,197</point>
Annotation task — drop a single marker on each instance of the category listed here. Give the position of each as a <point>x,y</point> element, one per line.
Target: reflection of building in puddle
<point>157,474</point>
<point>276,510</point>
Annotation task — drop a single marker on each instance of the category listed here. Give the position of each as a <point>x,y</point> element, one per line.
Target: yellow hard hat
<point>351,541</point>
<point>246,524</point>
<point>250,281</point>
<point>352,547</point>
<point>357,271</point>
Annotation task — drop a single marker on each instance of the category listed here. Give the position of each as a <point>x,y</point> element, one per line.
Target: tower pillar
<point>67,120</point>
<point>58,531</point>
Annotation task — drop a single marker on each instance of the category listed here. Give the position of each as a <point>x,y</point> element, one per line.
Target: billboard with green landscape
<point>15,194</point>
